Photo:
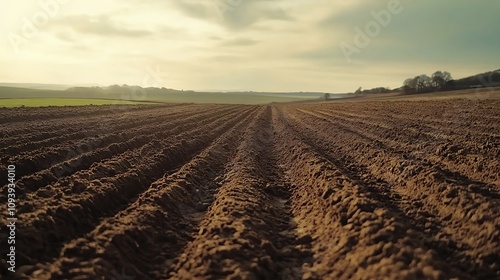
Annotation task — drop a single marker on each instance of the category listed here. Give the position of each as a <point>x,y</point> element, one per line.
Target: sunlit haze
<point>292,45</point>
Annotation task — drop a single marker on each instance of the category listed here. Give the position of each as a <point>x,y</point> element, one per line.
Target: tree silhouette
<point>439,79</point>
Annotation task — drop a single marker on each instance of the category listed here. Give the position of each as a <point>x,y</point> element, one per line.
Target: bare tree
<point>410,85</point>
<point>439,79</point>
<point>423,83</point>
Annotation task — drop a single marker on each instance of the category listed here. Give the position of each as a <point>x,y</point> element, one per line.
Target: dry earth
<point>365,190</point>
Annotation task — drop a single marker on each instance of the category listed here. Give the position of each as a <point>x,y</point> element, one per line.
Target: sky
<point>261,45</point>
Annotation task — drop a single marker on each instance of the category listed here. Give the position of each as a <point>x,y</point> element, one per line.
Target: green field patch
<point>44,102</point>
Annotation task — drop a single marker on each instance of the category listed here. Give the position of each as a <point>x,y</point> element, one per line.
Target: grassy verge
<point>42,102</point>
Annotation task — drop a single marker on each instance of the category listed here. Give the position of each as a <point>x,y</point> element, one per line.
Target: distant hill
<point>36,86</point>
<point>136,93</point>
<point>487,79</point>
<point>18,92</point>
<point>482,80</point>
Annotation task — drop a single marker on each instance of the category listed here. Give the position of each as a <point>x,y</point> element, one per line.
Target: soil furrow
<point>246,232</point>
<point>81,162</point>
<point>62,208</point>
<point>418,224</point>
<point>441,120</point>
<point>66,160</point>
<point>43,129</point>
<point>457,158</point>
<point>163,216</point>
<point>71,131</point>
<point>364,237</point>
<point>393,147</point>
<point>27,114</point>
<point>439,202</point>
<point>334,189</point>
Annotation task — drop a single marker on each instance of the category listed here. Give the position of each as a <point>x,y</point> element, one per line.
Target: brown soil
<point>342,190</point>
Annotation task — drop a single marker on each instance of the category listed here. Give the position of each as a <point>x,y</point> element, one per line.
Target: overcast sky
<point>261,45</point>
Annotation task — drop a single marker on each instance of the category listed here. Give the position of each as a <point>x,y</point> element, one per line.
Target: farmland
<point>44,102</point>
<point>17,96</point>
<point>338,190</point>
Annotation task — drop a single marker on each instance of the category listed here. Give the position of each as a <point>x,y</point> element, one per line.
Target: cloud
<point>194,9</point>
<point>254,44</point>
<point>234,15</point>
<point>100,25</point>
<point>434,32</point>
<point>240,42</point>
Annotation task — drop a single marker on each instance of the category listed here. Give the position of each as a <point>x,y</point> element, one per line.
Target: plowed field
<point>360,190</point>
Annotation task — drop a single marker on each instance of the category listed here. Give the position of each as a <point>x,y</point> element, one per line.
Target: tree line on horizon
<point>439,81</point>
